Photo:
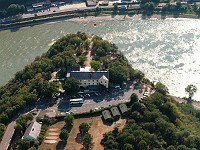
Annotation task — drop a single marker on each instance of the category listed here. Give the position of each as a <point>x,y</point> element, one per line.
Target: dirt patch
<point>53,133</point>
<point>50,141</point>
<point>51,138</point>
<point>97,130</point>
<point>54,129</point>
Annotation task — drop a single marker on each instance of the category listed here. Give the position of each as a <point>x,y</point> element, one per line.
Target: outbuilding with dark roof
<point>115,111</point>
<point>123,108</point>
<point>106,114</point>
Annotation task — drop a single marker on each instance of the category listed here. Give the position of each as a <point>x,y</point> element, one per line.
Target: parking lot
<point>92,101</point>
<point>95,101</point>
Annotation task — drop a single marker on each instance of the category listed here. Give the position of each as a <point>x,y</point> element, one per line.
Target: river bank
<point>96,19</point>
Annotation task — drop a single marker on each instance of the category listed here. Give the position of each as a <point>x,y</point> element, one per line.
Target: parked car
<point>81,95</point>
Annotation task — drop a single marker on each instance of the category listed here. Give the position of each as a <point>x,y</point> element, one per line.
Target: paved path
<point>7,136</point>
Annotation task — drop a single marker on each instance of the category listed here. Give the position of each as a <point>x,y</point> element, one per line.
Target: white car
<point>96,108</point>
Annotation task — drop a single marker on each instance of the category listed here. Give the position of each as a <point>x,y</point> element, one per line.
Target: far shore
<point>124,18</point>
<point>100,19</point>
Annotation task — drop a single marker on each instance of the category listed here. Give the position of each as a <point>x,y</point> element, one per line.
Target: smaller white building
<point>33,131</point>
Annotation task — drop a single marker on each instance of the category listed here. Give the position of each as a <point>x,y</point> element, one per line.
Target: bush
<point>64,134</point>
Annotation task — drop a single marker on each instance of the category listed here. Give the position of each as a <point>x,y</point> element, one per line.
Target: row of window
<point>93,82</point>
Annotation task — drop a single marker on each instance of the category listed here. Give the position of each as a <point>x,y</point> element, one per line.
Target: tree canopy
<point>69,119</point>
<point>191,90</point>
<point>157,122</point>
<point>95,65</point>
<point>87,141</point>
<point>84,128</point>
<point>64,134</point>
<point>71,86</point>
<point>161,88</point>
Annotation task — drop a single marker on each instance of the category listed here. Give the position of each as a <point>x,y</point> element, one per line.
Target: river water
<point>165,50</point>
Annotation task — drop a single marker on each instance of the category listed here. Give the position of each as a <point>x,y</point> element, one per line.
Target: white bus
<point>76,101</point>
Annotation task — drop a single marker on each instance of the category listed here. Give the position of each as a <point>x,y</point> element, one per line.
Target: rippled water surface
<point>165,50</point>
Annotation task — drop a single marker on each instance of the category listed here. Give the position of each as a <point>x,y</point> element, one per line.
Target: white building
<point>89,79</point>
<point>33,131</point>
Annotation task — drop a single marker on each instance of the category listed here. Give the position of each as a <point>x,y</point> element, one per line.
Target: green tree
<point>84,128</point>
<point>118,74</point>
<point>24,144</point>
<point>48,89</point>
<point>115,7</point>
<point>149,6</point>
<point>134,98</point>
<point>127,147</point>
<point>15,9</point>
<point>64,134</point>
<point>3,13</point>
<point>191,90</point>
<point>171,147</point>
<point>2,129</point>
<point>142,145</point>
<point>182,147</point>
<point>69,119</point>
<point>71,86</point>
<point>82,59</point>
<point>86,44</point>
<point>161,88</point>
<point>87,142</point>
<point>95,65</point>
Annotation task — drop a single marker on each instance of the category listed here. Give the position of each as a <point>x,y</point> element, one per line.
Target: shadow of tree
<point>14,29</point>
<point>79,138</point>
<point>108,122</point>
<point>61,145</point>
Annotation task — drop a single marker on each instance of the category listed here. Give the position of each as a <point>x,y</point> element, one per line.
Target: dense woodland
<point>158,122</point>
<point>32,83</point>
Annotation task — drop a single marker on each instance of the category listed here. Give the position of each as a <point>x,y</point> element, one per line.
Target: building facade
<point>91,79</point>
<point>33,131</point>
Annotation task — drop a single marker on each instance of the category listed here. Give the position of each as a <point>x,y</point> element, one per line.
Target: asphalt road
<point>7,136</point>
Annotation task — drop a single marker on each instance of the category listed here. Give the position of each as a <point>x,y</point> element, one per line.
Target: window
<point>89,83</point>
<point>85,83</point>
<point>93,80</point>
<point>105,81</point>
<point>101,81</point>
